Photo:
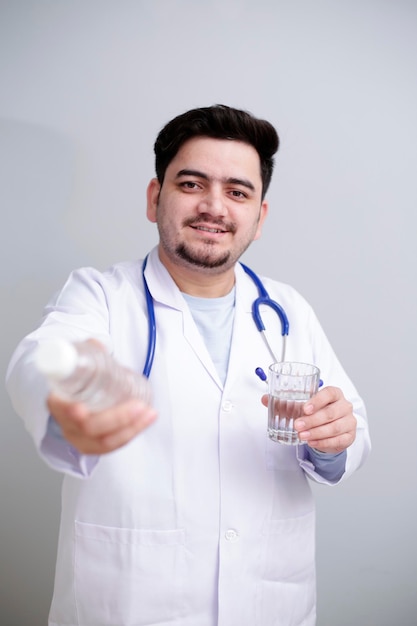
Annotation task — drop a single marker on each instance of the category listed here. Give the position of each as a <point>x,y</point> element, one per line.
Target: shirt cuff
<point>62,456</point>
<point>329,465</point>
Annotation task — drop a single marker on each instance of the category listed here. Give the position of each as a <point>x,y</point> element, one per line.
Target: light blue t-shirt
<point>214,320</point>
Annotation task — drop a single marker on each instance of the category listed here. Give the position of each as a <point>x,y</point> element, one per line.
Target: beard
<point>202,259</point>
<point>206,257</point>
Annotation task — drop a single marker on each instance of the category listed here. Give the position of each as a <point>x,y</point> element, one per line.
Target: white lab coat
<point>201,520</point>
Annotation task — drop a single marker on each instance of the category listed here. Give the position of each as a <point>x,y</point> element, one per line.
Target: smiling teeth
<point>209,230</point>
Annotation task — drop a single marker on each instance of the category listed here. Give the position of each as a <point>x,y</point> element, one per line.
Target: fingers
<point>98,433</point>
<point>323,399</point>
<point>328,423</point>
<point>332,437</point>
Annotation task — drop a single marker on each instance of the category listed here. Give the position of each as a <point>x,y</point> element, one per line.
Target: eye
<point>240,195</point>
<point>189,185</point>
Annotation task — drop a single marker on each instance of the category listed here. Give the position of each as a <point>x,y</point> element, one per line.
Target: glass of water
<point>291,384</point>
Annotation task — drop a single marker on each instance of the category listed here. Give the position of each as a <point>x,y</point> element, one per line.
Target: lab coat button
<point>227,406</point>
<point>232,535</point>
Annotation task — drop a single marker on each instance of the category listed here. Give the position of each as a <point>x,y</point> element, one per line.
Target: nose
<point>212,203</point>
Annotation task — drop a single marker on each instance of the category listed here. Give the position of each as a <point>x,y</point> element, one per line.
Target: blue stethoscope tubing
<point>150,354</point>
<point>266,300</point>
<point>263,299</point>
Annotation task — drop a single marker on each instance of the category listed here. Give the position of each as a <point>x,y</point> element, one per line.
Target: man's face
<point>209,208</point>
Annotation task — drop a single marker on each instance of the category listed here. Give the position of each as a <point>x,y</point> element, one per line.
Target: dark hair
<point>220,122</point>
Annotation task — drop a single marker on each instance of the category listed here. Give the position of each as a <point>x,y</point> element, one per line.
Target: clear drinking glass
<point>290,384</point>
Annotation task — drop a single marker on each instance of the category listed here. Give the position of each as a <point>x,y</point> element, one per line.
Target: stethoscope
<point>262,300</point>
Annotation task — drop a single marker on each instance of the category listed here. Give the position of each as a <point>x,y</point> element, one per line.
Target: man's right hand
<point>105,431</point>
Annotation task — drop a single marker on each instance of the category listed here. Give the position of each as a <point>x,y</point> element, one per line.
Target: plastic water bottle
<point>85,372</point>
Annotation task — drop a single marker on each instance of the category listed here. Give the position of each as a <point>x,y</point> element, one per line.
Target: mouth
<point>208,229</point>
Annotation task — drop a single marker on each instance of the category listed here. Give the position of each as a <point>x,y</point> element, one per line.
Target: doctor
<point>185,513</point>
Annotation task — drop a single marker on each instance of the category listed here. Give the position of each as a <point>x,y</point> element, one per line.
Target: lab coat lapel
<point>164,291</point>
<point>248,350</point>
<point>194,338</point>
<point>244,340</point>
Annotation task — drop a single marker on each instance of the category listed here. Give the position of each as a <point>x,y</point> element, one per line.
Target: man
<point>187,513</point>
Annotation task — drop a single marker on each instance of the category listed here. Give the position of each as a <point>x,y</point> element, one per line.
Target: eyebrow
<point>231,180</point>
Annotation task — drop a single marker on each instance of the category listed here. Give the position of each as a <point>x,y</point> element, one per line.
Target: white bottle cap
<point>56,358</point>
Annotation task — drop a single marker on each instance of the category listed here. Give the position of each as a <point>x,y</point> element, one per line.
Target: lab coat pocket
<point>128,576</point>
<point>286,592</point>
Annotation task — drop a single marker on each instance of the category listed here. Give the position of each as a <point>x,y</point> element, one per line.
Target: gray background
<point>85,87</point>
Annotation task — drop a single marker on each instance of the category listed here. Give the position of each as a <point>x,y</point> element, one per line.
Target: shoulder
<point>113,277</point>
<point>89,284</point>
<point>284,289</point>
<point>296,308</point>
<point>276,289</point>
<point>127,272</point>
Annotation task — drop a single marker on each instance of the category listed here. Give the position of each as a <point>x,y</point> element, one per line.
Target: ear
<point>152,196</point>
<point>262,216</point>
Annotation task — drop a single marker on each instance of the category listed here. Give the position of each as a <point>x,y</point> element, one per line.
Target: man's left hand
<point>328,423</point>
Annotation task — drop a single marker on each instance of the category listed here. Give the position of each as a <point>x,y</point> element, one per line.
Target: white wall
<point>85,87</point>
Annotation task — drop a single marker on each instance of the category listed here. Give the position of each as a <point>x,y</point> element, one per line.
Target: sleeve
<point>327,465</point>
<point>78,312</point>
<point>331,469</point>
